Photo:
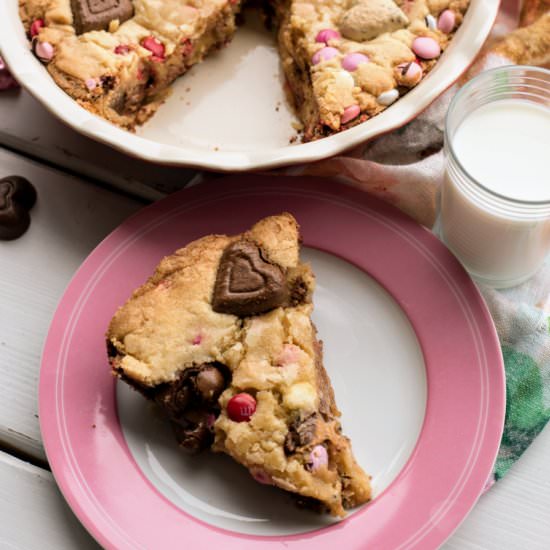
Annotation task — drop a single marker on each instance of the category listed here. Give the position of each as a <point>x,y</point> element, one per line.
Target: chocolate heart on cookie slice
<point>246,284</point>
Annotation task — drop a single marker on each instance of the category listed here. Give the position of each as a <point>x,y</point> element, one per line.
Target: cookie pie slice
<point>220,337</point>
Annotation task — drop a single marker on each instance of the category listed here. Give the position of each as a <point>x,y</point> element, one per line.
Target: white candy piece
<point>387,98</point>
<point>343,79</point>
<point>431,22</point>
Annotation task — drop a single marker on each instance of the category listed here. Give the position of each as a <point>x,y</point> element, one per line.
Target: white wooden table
<point>72,215</point>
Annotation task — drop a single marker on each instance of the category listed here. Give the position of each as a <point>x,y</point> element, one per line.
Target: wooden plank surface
<point>27,127</point>
<point>512,516</point>
<point>33,513</point>
<point>68,221</point>
<point>515,513</point>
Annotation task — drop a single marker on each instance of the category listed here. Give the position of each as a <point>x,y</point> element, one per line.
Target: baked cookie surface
<point>344,60</point>
<point>221,338</point>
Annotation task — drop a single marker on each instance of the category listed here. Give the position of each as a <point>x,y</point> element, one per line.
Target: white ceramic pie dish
<point>229,112</point>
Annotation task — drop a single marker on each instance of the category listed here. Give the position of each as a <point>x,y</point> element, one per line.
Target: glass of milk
<point>495,201</point>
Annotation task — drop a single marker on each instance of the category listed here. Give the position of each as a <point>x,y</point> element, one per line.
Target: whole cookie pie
<point>220,337</point>
<point>345,60</point>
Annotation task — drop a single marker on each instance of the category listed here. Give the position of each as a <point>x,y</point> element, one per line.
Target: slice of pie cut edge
<point>220,337</point>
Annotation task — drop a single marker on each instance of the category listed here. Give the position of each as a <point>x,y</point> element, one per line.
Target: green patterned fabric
<point>522,319</point>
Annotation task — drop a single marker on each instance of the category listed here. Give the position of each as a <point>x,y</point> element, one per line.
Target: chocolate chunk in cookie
<point>301,433</point>
<point>17,197</point>
<point>194,432</point>
<point>197,386</point>
<point>95,15</point>
<point>246,284</point>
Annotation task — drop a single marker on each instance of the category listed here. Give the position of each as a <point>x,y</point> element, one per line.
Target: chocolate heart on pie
<point>17,197</point>
<point>96,15</point>
<point>246,284</point>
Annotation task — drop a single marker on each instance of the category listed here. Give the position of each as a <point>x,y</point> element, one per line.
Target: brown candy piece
<point>193,433</point>
<point>95,15</point>
<point>209,383</point>
<point>17,197</point>
<point>246,284</point>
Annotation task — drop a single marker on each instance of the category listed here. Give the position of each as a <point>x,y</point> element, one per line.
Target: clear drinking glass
<point>500,240</point>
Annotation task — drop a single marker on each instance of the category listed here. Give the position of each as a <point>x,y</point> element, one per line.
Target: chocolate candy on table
<point>6,79</point>
<point>95,15</point>
<point>246,284</point>
<point>17,197</point>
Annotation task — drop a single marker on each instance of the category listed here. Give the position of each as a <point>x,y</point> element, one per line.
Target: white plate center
<point>377,369</point>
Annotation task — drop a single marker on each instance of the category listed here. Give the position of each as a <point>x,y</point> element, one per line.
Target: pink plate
<point>460,435</point>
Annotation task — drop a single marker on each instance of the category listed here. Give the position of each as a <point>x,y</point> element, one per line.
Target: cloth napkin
<point>405,168</point>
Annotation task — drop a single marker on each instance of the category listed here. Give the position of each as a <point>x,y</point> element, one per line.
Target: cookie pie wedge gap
<point>220,337</point>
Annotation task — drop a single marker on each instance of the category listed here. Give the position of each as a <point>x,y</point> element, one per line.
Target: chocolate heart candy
<point>95,15</point>
<point>17,197</point>
<point>246,284</point>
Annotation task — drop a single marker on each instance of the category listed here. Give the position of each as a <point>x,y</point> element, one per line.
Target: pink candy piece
<point>155,46</point>
<point>318,457</point>
<point>290,354</point>
<point>197,340</point>
<point>44,51</point>
<point>324,54</point>
<point>350,113</point>
<point>186,47</point>
<point>426,47</point>
<point>241,407</point>
<point>37,24</point>
<point>446,21</point>
<point>261,476</point>
<point>352,60</point>
<point>411,71</point>
<point>122,49</point>
<point>327,34</point>
<point>91,83</point>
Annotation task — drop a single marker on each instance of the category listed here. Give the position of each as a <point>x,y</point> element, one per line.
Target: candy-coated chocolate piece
<point>37,24</point>
<point>388,97</point>
<point>324,54</point>
<point>241,407</point>
<point>426,47</point>
<point>155,46</point>
<point>43,50</point>
<point>408,74</point>
<point>318,457</point>
<point>352,60</point>
<point>261,476</point>
<point>289,355</point>
<point>91,83</point>
<point>350,113</point>
<point>431,22</point>
<point>446,21</point>
<point>325,35</point>
<point>122,49</point>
